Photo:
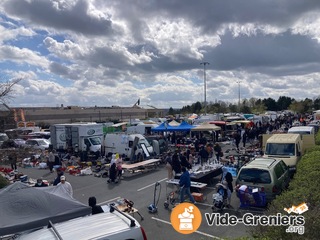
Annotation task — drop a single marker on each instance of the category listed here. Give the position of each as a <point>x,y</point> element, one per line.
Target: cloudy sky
<point>112,52</point>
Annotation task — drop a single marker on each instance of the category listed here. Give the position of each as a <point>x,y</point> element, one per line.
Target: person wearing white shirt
<point>66,185</point>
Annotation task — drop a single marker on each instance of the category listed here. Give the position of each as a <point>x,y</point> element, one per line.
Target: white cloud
<point>108,52</point>
<point>22,56</point>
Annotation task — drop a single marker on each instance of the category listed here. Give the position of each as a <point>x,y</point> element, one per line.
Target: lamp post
<point>205,85</point>
<point>239,94</point>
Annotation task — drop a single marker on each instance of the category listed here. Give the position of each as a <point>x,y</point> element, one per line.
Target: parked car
<point>13,143</point>
<point>41,134</point>
<point>3,137</point>
<point>38,143</point>
<point>267,174</point>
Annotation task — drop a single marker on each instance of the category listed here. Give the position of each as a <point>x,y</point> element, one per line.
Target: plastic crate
<point>252,199</point>
<point>198,197</point>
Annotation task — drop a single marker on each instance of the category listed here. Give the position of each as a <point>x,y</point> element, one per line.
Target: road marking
<point>151,185</point>
<point>204,204</point>
<point>199,232</point>
<point>110,200</point>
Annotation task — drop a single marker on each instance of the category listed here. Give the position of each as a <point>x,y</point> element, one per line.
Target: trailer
<point>77,137</point>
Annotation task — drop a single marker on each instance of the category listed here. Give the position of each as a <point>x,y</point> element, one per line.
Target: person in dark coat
<point>57,179</point>
<point>40,183</point>
<point>218,150</point>
<point>185,184</point>
<point>176,165</point>
<point>244,138</point>
<point>204,155</point>
<point>93,204</point>
<point>229,180</point>
<point>184,161</point>
<point>113,173</point>
<point>237,138</point>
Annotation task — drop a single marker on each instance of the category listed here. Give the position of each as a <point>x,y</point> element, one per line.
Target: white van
<point>287,147</point>
<point>110,225</point>
<point>122,143</point>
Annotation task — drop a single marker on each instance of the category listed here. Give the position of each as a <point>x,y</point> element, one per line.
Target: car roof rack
<point>132,221</point>
<point>55,231</point>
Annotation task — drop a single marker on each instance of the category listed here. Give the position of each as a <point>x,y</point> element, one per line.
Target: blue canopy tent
<point>164,127</point>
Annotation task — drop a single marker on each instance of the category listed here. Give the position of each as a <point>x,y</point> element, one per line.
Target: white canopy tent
<point>206,127</point>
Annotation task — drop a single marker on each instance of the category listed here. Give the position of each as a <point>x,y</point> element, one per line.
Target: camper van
<point>123,144</point>
<point>287,147</point>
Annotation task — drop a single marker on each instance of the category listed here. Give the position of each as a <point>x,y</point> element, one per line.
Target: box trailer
<point>82,137</point>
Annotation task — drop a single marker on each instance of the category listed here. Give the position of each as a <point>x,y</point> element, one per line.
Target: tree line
<point>252,106</point>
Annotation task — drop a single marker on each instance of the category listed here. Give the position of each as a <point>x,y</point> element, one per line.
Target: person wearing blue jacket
<point>185,184</point>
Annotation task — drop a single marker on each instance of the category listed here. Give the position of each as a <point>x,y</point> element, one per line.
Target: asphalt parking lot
<point>140,189</point>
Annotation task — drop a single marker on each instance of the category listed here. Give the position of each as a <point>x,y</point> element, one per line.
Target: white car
<point>38,143</point>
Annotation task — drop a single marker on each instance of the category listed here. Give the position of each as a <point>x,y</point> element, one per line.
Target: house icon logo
<point>186,218</point>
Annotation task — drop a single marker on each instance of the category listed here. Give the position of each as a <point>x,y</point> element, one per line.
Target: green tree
<point>283,102</point>
<point>271,104</point>
<point>316,104</point>
<point>171,111</point>
<point>196,107</point>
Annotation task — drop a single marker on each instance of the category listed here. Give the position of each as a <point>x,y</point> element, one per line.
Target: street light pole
<point>205,85</point>
<point>239,94</point>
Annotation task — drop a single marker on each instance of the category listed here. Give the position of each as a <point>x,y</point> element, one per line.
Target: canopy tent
<point>184,126</point>
<point>24,207</point>
<point>163,127</point>
<point>206,127</point>
<point>193,116</point>
<point>174,123</point>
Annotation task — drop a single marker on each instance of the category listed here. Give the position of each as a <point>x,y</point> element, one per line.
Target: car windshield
<point>302,132</point>
<point>286,149</point>
<point>95,140</point>
<point>254,175</point>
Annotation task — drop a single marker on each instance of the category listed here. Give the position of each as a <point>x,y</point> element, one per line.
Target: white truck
<point>82,137</point>
<point>124,144</point>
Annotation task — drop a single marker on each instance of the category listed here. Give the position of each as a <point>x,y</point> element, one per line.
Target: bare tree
<point>6,89</point>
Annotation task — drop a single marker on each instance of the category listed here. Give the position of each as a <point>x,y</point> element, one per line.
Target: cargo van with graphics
<point>85,137</point>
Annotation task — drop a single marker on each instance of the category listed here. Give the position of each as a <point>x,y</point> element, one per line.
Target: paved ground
<point>140,189</point>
